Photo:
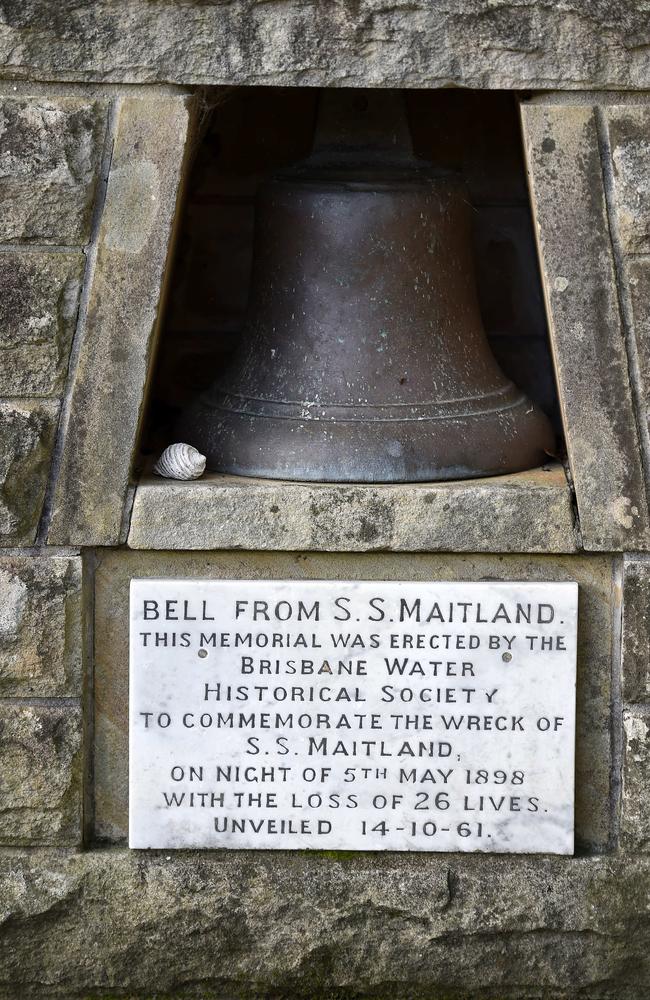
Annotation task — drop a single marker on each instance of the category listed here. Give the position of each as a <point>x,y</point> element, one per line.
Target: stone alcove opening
<point>251,132</point>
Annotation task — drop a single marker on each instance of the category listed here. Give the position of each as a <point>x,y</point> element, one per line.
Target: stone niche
<point>254,132</point>
<point>247,136</point>
<point>127,195</point>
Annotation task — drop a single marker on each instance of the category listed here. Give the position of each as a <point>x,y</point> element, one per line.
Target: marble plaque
<point>352,715</point>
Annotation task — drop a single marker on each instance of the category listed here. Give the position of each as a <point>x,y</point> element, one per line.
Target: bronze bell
<point>364,357</point>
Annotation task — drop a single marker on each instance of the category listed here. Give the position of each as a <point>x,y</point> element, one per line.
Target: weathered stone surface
<point>527,512</point>
<point>638,273</point>
<point>561,145</point>
<point>629,132</point>
<point>123,309</point>
<point>593,574</point>
<point>271,925</point>
<point>40,626</point>
<point>40,773</point>
<point>636,630</point>
<point>39,296</point>
<point>635,804</point>
<point>26,440</point>
<point>480,43</point>
<point>49,162</point>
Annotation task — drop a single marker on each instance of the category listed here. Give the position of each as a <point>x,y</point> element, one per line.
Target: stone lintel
<point>472,43</point>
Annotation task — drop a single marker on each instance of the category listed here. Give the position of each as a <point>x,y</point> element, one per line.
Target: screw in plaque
<point>203,653</point>
<point>506,657</point>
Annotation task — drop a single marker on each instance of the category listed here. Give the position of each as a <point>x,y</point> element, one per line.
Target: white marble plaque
<point>352,715</point>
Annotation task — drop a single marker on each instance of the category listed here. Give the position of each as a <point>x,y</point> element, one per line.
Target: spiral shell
<point>180,461</point>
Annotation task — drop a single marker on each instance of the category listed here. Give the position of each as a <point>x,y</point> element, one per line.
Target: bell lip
<point>453,475</point>
<point>509,441</point>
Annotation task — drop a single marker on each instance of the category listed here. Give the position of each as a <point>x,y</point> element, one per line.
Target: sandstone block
<point>122,320</point>
<point>39,296</point>
<point>244,924</point>
<point>577,266</point>
<point>40,626</point>
<point>40,773</point>
<point>27,432</point>
<point>48,168</point>
<point>636,630</point>
<point>635,804</point>
<point>477,43</point>
<point>629,131</point>
<point>526,512</point>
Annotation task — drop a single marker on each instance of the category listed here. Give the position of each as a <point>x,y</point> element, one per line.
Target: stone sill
<point>525,512</point>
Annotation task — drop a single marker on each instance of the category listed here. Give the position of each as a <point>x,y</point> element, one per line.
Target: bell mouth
<point>495,434</point>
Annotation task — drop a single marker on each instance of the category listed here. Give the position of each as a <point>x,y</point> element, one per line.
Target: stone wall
<point>97,126</point>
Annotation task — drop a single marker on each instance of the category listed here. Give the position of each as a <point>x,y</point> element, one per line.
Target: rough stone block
<point>122,321</point>
<point>40,773</point>
<point>636,630</point>
<point>40,626</point>
<point>27,432</point>
<point>635,804</point>
<point>577,266</point>
<point>527,512</point>
<point>592,573</point>
<point>629,132</point>
<point>49,166</point>
<point>477,43</point>
<point>39,296</point>
<point>262,924</point>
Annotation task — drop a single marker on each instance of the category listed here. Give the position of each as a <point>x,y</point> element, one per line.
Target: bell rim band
<point>273,409</point>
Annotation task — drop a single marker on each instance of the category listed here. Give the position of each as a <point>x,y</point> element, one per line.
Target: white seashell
<point>180,461</point>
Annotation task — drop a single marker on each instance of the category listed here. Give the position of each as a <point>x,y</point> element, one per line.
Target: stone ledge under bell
<point>525,512</point>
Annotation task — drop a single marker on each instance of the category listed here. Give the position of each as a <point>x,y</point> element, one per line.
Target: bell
<point>364,358</point>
